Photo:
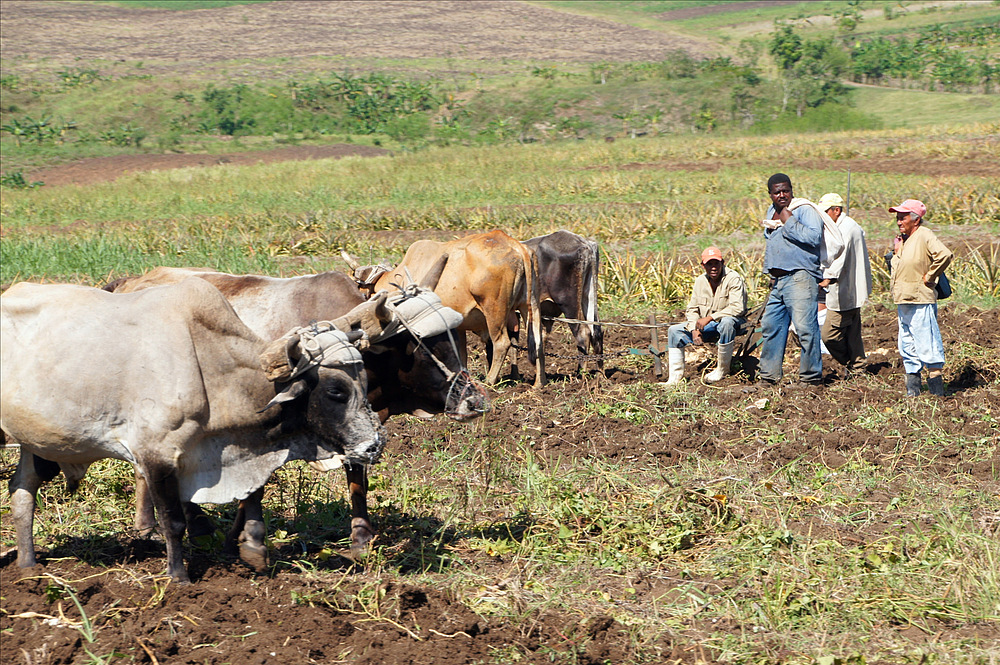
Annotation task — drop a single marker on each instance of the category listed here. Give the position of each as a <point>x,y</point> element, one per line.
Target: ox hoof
<point>362,535</point>
<point>148,533</point>
<point>360,552</point>
<point>200,526</point>
<point>254,556</point>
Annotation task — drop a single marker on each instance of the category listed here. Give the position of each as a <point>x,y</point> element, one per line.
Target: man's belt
<point>778,272</point>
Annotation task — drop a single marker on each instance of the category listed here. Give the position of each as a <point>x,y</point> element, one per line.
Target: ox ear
<point>293,390</point>
<point>433,276</point>
<point>277,359</point>
<point>350,260</point>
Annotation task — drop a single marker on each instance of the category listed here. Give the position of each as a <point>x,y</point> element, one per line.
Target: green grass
<point>649,216</point>
<point>915,108</point>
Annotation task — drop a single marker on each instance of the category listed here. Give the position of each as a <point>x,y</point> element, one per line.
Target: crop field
<point>604,518</point>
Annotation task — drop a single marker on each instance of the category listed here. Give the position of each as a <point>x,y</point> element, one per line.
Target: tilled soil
<point>229,614</point>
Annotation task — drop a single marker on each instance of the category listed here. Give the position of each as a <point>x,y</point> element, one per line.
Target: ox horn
<point>351,261</point>
<point>382,312</point>
<point>367,316</point>
<point>433,276</point>
<point>276,359</point>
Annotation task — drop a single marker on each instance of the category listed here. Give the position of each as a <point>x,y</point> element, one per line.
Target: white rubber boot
<point>725,358</point>
<point>675,366</point>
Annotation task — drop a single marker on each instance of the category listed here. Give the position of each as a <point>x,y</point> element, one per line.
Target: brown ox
<point>487,277</point>
<point>403,377</point>
<point>568,265</point>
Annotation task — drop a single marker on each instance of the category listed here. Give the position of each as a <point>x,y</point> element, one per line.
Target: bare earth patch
<point>261,35</point>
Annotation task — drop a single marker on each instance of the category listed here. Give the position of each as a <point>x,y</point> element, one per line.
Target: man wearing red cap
<point>716,311</point>
<point>918,260</point>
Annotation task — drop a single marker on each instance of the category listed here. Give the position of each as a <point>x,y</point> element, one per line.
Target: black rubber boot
<point>912,384</point>
<point>935,385</point>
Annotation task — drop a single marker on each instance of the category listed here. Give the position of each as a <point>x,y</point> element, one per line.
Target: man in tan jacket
<point>716,311</point>
<point>918,260</point>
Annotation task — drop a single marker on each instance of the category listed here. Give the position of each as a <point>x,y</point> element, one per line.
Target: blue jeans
<point>722,331</point>
<point>919,337</point>
<point>794,298</point>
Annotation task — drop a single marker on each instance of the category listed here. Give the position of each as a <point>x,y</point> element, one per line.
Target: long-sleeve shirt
<point>730,299</point>
<point>854,285</point>
<point>920,257</point>
<point>796,244</point>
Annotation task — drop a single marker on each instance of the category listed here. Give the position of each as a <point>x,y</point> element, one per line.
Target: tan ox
<point>487,277</point>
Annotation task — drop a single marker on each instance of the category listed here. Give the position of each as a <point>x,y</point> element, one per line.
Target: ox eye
<point>337,393</point>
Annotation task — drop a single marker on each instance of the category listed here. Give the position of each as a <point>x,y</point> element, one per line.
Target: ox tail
<point>536,343</point>
<point>590,298</point>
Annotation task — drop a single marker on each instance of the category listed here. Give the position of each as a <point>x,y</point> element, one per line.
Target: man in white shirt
<point>845,295</point>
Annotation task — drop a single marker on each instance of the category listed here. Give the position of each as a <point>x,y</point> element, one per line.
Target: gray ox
<point>488,277</point>
<point>171,380</point>
<point>419,374</point>
<point>568,266</point>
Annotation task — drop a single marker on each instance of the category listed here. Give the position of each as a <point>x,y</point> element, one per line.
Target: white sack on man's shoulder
<point>831,251</point>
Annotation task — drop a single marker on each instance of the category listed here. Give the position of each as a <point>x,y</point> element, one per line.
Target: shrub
<point>124,135</point>
<point>42,130</point>
<point>15,180</point>
<point>77,76</point>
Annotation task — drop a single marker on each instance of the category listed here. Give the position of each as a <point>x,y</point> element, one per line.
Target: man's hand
<point>930,282</point>
<point>696,337</point>
<point>785,214</point>
<point>700,324</point>
<point>825,283</point>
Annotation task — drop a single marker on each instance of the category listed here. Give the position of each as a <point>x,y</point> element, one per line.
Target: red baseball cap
<point>711,253</point>
<point>911,205</point>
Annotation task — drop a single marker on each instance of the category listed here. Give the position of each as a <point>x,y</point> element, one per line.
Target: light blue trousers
<point>920,342</point>
<point>723,331</point>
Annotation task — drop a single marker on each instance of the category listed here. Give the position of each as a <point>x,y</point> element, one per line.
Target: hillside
<point>87,80</point>
<point>279,38</point>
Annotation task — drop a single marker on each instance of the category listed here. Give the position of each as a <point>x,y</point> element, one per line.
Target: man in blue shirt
<point>793,229</point>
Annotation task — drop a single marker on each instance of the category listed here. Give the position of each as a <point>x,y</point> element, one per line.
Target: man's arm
<point>940,258</point>
<point>804,227</point>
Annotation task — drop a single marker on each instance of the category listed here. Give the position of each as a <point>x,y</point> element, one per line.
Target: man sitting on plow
<point>716,312</point>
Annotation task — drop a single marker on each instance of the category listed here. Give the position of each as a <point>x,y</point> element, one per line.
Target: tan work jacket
<point>730,299</point>
<point>921,257</point>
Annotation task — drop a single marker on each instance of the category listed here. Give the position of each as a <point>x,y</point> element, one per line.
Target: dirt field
<point>229,614</point>
<point>59,34</point>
